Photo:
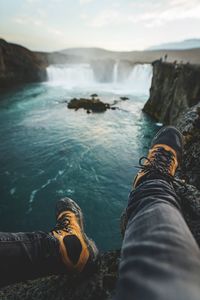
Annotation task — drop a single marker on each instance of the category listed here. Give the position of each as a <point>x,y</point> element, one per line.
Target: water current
<point>48,151</point>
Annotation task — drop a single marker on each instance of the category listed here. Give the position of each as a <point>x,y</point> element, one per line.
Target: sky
<point>49,25</point>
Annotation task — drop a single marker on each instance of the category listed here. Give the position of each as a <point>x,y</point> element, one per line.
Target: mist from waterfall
<point>137,80</point>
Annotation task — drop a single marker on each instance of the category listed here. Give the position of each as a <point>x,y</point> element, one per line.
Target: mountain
<point>147,56</point>
<point>91,52</point>
<point>186,44</point>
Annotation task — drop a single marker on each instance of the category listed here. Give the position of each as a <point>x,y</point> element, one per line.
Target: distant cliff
<point>19,65</point>
<point>174,89</point>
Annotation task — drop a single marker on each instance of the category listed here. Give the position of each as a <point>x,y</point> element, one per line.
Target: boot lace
<point>160,163</point>
<point>63,224</point>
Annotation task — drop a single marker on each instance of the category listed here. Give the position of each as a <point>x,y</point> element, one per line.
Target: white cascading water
<point>71,75</point>
<point>140,78</point>
<point>115,72</point>
<point>82,76</point>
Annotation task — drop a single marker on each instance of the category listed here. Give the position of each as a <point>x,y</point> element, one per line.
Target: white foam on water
<point>48,182</point>
<point>12,191</point>
<point>159,124</point>
<point>70,191</point>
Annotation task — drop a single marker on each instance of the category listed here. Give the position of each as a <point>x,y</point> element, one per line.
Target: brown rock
<point>94,105</point>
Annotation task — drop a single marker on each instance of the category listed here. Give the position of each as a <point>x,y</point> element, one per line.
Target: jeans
<point>27,256</point>
<point>160,260</point>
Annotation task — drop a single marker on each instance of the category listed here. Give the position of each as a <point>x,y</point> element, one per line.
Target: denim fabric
<point>28,255</point>
<point>160,259</point>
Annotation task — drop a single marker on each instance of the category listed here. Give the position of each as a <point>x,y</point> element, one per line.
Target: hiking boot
<point>77,251</point>
<point>163,158</point>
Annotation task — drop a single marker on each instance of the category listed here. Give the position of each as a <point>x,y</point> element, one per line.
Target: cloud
<point>82,2</point>
<point>175,10</point>
<point>55,31</point>
<point>37,1</point>
<point>84,16</point>
<point>32,1</point>
<point>33,21</point>
<point>105,18</point>
<point>19,20</point>
<point>22,20</point>
<point>151,14</point>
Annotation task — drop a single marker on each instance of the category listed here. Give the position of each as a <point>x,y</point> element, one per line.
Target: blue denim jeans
<point>160,260</point>
<point>27,256</point>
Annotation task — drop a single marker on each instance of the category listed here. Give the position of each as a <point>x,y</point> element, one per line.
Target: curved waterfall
<point>71,75</point>
<point>136,78</point>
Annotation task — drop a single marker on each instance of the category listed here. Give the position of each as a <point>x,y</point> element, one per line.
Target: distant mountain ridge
<point>146,56</point>
<point>90,52</point>
<point>181,45</point>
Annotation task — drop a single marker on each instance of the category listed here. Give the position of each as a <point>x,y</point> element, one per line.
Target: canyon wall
<point>18,65</point>
<point>175,87</point>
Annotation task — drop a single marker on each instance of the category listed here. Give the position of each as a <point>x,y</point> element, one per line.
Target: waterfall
<point>115,72</point>
<point>134,79</point>
<point>140,78</point>
<point>71,75</point>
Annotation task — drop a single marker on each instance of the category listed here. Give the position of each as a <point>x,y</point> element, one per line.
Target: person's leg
<point>28,255</point>
<point>65,249</point>
<point>160,258</point>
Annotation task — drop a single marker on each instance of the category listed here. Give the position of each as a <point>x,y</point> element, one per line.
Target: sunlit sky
<point>112,24</point>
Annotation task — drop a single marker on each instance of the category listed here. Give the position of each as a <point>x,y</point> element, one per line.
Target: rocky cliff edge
<point>175,88</point>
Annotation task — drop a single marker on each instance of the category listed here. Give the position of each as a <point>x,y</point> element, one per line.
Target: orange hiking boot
<point>77,251</point>
<point>163,158</point>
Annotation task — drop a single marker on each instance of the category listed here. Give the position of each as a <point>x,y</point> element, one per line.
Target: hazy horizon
<point>112,25</point>
<point>151,48</point>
